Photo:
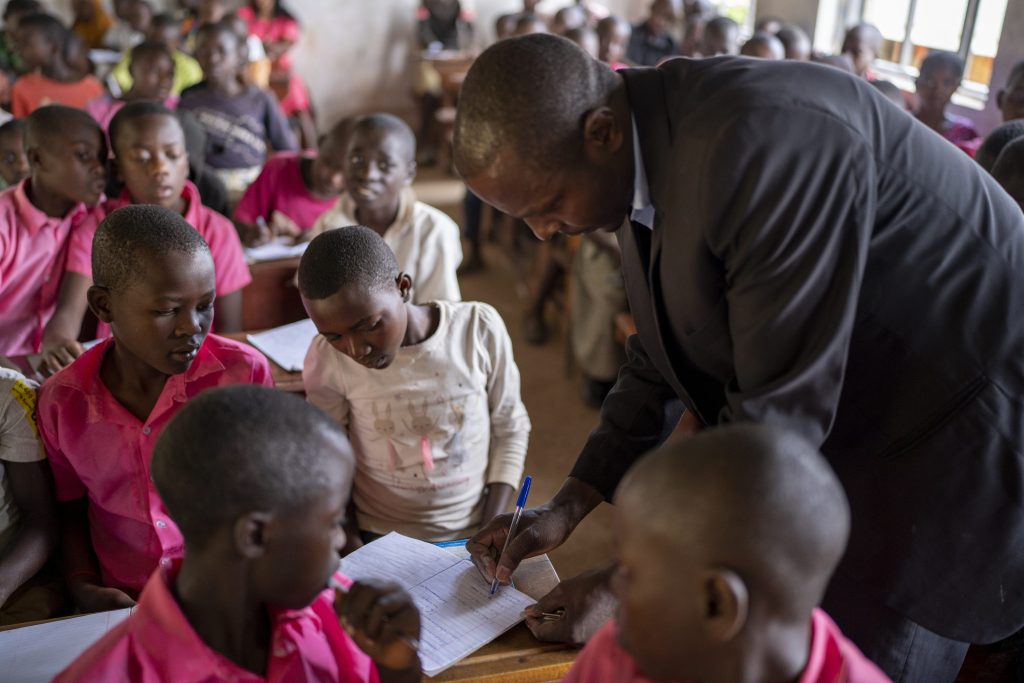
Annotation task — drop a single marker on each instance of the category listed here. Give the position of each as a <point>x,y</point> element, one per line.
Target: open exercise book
<point>286,345</point>
<point>457,613</point>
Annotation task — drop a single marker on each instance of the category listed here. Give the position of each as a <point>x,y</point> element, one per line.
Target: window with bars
<point>913,28</point>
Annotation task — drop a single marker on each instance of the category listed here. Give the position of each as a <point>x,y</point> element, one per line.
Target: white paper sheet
<point>35,654</point>
<point>458,615</point>
<point>535,576</point>
<point>286,345</point>
<point>281,248</point>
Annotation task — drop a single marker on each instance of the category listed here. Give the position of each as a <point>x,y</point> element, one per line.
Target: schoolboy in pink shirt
<point>725,544</point>
<point>293,190</point>
<point>150,157</point>
<point>259,482</point>
<point>67,156</point>
<point>100,417</point>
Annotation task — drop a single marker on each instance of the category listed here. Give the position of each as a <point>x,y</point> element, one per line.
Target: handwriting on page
<point>457,613</point>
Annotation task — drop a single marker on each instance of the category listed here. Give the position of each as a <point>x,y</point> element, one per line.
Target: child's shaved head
<point>129,239</point>
<point>1009,169</point>
<point>757,499</point>
<point>241,449</point>
<point>501,109</point>
<point>345,256</point>
<point>386,123</point>
<point>46,125</point>
<point>994,143</point>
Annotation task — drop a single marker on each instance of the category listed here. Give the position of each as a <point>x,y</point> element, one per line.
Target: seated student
<point>528,23</point>
<point>1010,98</point>
<point>41,46</point>
<point>891,92</point>
<point>136,17</point>
<point>293,190</point>
<point>91,22</point>
<point>764,45</point>
<point>613,34</point>
<point>28,518</point>
<point>1009,170</point>
<point>164,29</point>
<point>238,118</point>
<point>795,42</point>
<point>569,18</point>
<point>861,45</point>
<point>38,219</point>
<point>585,37</point>
<point>152,78</point>
<point>721,36</point>
<point>940,76</point>
<point>379,169</point>
<point>505,25</point>
<point>428,393</point>
<point>725,543</point>
<point>100,416</point>
<point>258,482</point>
<point>13,160</point>
<point>993,144</point>
<point>652,40</point>
<point>10,62</point>
<point>148,148</point>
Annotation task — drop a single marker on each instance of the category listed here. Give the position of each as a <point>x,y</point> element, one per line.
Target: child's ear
<point>412,172</point>
<point>726,604</point>
<point>999,98</point>
<point>35,158</point>
<point>602,134</point>
<point>250,534</point>
<point>404,282</point>
<point>99,303</point>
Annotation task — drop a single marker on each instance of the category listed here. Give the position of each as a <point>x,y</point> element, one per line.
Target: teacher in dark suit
<point>796,251</point>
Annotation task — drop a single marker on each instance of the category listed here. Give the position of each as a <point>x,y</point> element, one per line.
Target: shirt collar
<point>643,210</point>
<point>190,193</point>
<point>403,220</point>
<point>30,215</point>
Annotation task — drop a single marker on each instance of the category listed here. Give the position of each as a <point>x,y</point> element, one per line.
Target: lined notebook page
<point>458,615</point>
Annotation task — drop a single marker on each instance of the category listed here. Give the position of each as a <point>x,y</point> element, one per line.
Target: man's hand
<point>541,529</point>
<point>93,598</point>
<point>58,354</point>
<point>585,603</point>
<point>383,621</point>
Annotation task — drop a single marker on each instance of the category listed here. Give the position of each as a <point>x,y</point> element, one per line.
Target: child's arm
<point>60,338</point>
<point>31,487</point>
<point>227,311</point>
<point>80,566</point>
<point>496,499</point>
<point>440,256</point>
<point>324,386</point>
<point>278,131</point>
<point>383,621</point>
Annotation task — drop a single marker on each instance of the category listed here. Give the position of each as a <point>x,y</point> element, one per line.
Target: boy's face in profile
<point>72,163</point>
<point>301,545</point>
<point>13,161</point>
<point>162,319</point>
<point>152,161</point>
<point>152,76</point>
<point>378,167</point>
<point>367,325</point>
<point>219,54</point>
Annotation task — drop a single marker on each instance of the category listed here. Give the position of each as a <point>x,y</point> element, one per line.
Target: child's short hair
<point>164,20</point>
<point>128,238</point>
<point>944,60</point>
<point>218,27</point>
<point>150,48</point>
<point>721,26</point>
<point>390,124</point>
<point>349,255</point>
<point>1010,163</point>
<point>132,112</point>
<point>47,122</point>
<point>21,7</point>
<point>15,126</point>
<point>239,449</point>
<point>993,145</point>
<point>48,25</point>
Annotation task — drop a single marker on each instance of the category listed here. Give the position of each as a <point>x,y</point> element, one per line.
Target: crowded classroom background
<point>271,292</point>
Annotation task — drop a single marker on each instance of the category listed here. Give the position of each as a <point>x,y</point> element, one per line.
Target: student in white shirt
<point>379,169</point>
<point>429,393</point>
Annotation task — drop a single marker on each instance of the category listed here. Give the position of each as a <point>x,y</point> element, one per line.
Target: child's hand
<point>57,355</point>
<point>92,598</point>
<point>283,226</point>
<point>383,621</point>
<point>253,234</point>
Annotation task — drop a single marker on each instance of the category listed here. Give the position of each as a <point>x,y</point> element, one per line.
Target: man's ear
<point>250,534</point>
<point>602,134</point>
<point>404,282</point>
<point>726,604</point>
<point>99,303</point>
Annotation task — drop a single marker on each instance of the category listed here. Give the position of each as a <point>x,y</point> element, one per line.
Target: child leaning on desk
<point>258,482</point>
<point>429,393</point>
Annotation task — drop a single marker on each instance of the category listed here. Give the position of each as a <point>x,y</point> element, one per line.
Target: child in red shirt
<point>99,418</point>
<point>41,46</point>
<point>258,482</point>
<point>725,544</point>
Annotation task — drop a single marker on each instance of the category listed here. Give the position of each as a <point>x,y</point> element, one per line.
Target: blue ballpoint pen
<point>520,504</point>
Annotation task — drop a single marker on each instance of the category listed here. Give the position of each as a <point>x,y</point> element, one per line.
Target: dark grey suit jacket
<point>821,260</point>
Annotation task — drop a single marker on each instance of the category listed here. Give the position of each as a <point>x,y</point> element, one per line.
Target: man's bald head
<point>530,94</point>
<point>756,499</point>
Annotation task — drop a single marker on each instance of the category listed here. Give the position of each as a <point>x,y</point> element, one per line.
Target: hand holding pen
<point>513,526</point>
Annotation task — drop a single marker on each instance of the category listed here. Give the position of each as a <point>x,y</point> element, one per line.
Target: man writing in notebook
<point>865,305</point>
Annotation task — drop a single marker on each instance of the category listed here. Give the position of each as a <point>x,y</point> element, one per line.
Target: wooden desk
<point>284,380</point>
<point>516,657</point>
<point>272,299</point>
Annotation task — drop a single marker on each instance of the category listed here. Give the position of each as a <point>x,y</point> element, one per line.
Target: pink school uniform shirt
<point>280,187</point>
<point>98,449</point>
<point>157,643</point>
<point>832,658</point>
<point>35,252</point>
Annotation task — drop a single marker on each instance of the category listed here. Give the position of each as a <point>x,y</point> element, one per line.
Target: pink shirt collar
<point>32,218</point>
<point>190,193</point>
